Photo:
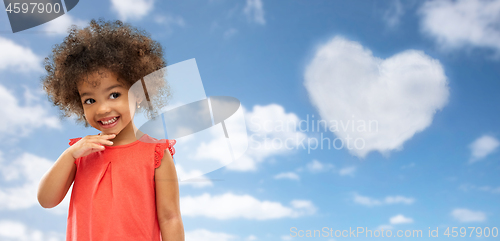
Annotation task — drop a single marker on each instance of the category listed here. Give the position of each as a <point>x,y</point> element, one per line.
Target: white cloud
<point>30,169</point>
<point>170,21</point>
<point>287,175</point>
<point>21,120</point>
<point>467,187</point>
<point>490,189</point>
<point>230,33</point>
<point>456,24</point>
<point>254,10</point>
<point>210,150</point>
<point>18,58</point>
<point>245,163</point>
<point>60,25</point>
<point>132,9</point>
<point>317,166</point>
<point>411,165</point>
<point>251,238</point>
<point>347,171</point>
<point>400,219</point>
<point>466,216</point>
<point>271,132</point>
<point>393,15</point>
<point>305,205</point>
<point>17,231</point>
<point>398,199</point>
<point>384,227</point>
<point>231,206</point>
<point>193,178</point>
<point>368,201</point>
<point>372,104</point>
<point>482,147</point>
<point>206,235</point>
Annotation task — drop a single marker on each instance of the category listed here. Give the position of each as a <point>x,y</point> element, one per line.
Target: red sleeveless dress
<point>114,193</point>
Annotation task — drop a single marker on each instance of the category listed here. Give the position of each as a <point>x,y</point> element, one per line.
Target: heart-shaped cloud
<point>371,103</point>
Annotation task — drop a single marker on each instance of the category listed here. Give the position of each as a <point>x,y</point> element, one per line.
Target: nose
<point>103,109</point>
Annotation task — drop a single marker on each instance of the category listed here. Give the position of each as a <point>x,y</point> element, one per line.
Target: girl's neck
<point>127,135</point>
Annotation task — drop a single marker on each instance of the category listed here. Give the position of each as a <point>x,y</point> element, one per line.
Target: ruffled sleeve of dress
<point>73,141</point>
<point>160,149</point>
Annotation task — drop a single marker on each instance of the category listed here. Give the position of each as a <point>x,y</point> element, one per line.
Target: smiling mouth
<point>109,122</point>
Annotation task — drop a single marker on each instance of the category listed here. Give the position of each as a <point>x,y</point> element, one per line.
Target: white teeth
<point>109,121</point>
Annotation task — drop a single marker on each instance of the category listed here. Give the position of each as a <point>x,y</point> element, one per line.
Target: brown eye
<point>115,95</point>
<point>87,101</point>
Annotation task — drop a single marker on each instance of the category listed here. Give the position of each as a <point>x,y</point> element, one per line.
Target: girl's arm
<point>167,200</point>
<point>56,182</point>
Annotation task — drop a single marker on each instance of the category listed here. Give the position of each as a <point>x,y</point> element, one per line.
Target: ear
<point>140,99</point>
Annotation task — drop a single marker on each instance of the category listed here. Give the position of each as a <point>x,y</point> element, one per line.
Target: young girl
<point>125,183</point>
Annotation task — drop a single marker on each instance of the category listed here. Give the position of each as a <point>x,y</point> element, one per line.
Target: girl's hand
<point>90,144</point>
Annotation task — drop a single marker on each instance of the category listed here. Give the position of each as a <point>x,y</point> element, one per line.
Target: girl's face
<point>106,106</point>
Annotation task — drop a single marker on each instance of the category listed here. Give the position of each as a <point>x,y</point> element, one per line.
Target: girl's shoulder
<point>74,140</point>
<point>148,139</point>
<point>160,147</point>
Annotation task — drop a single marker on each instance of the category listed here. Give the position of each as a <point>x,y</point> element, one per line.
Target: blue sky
<point>426,71</point>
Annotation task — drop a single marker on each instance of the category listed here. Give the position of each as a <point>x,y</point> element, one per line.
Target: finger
<point>100,134</point>
<point>104,142</point>
<point>110,136</point>
<point>97,147</point>
<point>99,137</point>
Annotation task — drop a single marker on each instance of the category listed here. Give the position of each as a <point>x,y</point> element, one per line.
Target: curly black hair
<point>115,46</point>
